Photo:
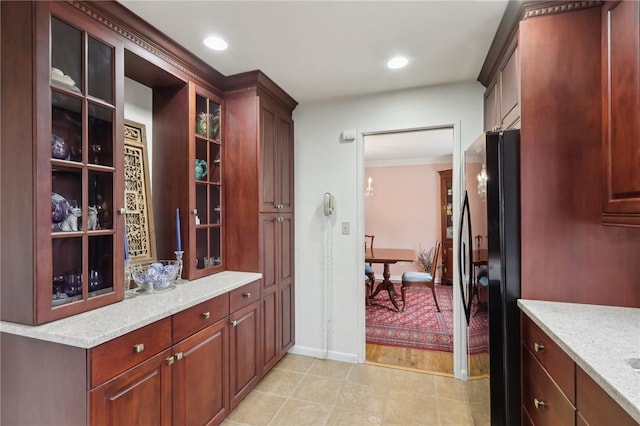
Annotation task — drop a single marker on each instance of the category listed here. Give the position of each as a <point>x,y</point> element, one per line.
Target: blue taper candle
<point>178,239</point>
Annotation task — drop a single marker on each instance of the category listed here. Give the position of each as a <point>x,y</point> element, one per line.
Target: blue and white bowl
<point>155,275</point>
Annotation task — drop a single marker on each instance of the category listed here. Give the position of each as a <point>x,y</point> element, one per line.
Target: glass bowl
<point>155,275</point>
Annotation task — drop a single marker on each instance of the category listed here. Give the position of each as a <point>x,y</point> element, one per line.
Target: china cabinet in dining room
<point>62,111</point>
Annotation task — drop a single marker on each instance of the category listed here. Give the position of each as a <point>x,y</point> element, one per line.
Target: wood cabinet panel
<point>87,114</point>
<point>243,296</point>
<point>196,318</point>
<point>200,377</point>
<point>268,252</point>
<point>285,167</point>
<point>595,406</point>
<point>620,111</point>
<point>115,356</point>
<point>270,336</point>
<point>510,91</point>
<point>542,399</point>
<point>244,352</point>
<point>140,396</point>
<point>551,357</point>
<point>491,119</point>
<point>287,317</point>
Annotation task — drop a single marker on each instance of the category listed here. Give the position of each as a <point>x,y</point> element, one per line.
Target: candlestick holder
<point>128,291</point>
<point>179,279</point>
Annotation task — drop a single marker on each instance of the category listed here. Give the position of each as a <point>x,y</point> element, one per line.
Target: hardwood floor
<point>440,363</point>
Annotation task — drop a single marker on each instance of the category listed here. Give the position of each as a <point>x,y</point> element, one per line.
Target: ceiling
<point>319,50</point>
<point>408,148</point>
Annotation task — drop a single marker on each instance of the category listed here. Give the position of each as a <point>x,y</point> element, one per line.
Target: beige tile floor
<point>308,391</point>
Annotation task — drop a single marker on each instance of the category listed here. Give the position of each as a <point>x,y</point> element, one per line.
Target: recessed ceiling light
<point>215,43</point>
<point>397,62</point>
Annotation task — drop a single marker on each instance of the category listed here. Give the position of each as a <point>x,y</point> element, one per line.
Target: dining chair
<point>424,279</point>
<point>368,269</point>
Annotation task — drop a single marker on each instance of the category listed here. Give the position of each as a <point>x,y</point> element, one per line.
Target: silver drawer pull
<point>537,347</point>
<point>170,360</point>
<point>122,210</point>
<point>194,212</point>
<point>234,323</point>
<point>539,404</point>
<point>205,315</point>
<point>247,295</point>
<point>138,348</point>
<point>178,356</point>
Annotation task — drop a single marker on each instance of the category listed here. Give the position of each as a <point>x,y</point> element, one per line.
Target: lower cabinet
<point>200,377</point>
<point>556,391</point>
<point>244,351</point>
<point>188,369</point>
<point>140,396</point>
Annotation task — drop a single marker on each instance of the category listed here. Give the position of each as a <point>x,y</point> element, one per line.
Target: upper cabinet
<point>502,97</point>
<point>276,137</point>
<point>620,112</point>
<point>63,234</point>
<point>188,204</point>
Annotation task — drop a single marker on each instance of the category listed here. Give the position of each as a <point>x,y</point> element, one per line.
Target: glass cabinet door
<point>83,166</point>
<point>208,185</point>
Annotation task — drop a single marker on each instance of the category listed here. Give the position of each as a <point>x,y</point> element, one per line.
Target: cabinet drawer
<point>115,356</point>
<point>197,317</point>
<point>242,296</point>
<point>550,356</point>
<point>596,406</point>
<point>542,400</point>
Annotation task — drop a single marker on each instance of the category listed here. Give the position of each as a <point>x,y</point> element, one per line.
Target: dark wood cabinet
<point>201,377</point>
<point>620,112</point>
<point>446,224</point>
<point>141,395</point>
<point>276,145</point>
<point>191,177</point>
<point>556,391</point>
<point>244,351</point>
<point>259,166</point>
<point>62,99</point>
<point>502,97</point>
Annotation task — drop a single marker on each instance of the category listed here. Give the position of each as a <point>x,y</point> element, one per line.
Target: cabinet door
<point>269,156</point>
<point>139,396</point>
<point>286,282</point>
<point>285,158</point>
<point>244,350</point>
<point>491,120</point>
<point>620,110</point>
<point>276,147</point>
<point>270,335</point>
<point>510,92</point>
<point>200,377</point>
<point>205,230</point>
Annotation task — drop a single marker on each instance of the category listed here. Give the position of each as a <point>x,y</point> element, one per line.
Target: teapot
<point>202,168</point>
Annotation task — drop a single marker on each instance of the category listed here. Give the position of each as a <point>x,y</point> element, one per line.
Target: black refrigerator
<point>489,260</point>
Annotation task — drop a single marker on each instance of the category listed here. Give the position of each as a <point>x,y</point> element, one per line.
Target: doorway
<point>408,206</point>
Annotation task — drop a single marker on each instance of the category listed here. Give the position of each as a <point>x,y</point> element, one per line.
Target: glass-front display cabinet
<point>65,232</point>
<point>86,233</point>
<point>206,190</point>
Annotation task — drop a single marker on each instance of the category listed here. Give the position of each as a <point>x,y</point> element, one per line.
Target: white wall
<point>138,107</point>
<point>325,164</point>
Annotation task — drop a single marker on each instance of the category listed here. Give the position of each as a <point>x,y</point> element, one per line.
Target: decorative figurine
<point>93,224</point>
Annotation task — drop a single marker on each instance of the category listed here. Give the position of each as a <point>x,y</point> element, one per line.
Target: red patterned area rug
<point>421,326</point>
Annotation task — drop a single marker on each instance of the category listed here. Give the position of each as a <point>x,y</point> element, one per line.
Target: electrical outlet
<point>346,228</point>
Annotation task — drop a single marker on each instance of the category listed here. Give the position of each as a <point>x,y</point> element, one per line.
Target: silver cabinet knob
<point>138,348</point>
<point>194,211</point>
<point>537,347</point>
<point>122,210</point>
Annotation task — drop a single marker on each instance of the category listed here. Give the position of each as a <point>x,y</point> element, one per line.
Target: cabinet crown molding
<point>515,12</point>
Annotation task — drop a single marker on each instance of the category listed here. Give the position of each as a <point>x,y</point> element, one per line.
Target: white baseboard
<point>319,353</point>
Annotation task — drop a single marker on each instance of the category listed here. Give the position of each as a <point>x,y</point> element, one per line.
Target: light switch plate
<point>346,228</point>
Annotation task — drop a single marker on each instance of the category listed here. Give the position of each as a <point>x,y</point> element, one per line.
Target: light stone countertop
<point>599,339</point>
<point>89,329</point>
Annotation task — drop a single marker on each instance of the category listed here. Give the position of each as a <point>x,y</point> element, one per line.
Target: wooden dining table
<point>388,256</point>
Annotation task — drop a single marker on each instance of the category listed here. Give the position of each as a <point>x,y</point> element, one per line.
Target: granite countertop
<point>97,326</point>
<point>599,339</point>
